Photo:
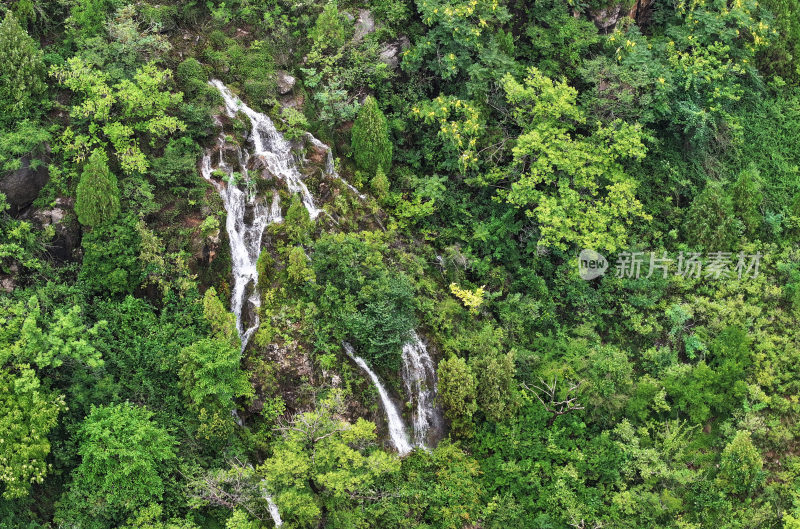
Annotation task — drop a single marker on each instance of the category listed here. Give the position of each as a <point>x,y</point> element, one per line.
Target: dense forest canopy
<point>435,264</point>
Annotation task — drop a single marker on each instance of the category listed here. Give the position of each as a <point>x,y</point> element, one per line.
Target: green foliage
<point>325,464</point>
<point>124,115</point>
<point>458,390</point>
<point>129,40</point>
<point>298,223</point>
<point>711,221</point>
<point>29,413</point>
<point>191,76</point>
<point>329,30</point>
<point>380,184</point>
<point>574,186</point>
<point>298,270</point>
<point>87,18</point>
<point>740,467</point>
<point>210,376</point>
<point>370,139</point>
<point>26,140</point>
<point>747,200</point>
<point>494,375</point>
<point>111,262</point>
<point>20,244</point>
<point>361,300</point>
<point>618,402</point>
<point>125,459</point>
<point>22,79</point>
<point>97,195</point>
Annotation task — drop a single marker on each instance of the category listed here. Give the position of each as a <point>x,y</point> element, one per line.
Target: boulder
<point>365,24</point>
<point>285,82</point>
<point>22,186</point>
<point>67,230</point>
<point>390,53</point>
<point>606,19</point>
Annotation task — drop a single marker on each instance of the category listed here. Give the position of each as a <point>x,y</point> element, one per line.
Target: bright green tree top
<point>97,194</point>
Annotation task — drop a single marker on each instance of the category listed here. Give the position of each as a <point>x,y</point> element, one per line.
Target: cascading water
<point>397,430</point>
<point>247,215</point>
<point>270,145</point>
<point>245,229</point>
<point>419,376</point>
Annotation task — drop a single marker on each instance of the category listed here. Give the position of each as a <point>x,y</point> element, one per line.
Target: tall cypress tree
<point>97,194</point>
<point>370,139</point>
<point>22,72</point>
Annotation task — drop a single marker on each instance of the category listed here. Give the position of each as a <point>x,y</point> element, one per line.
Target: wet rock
<point>293,101</point>
<point>67,231</point>
<point>22,186</point>
<point>364,25</point>
<point>390,53</point>
<point>317,154</point>
<point>606,19</point>
<point>285,82</point>
<point>7,284</point>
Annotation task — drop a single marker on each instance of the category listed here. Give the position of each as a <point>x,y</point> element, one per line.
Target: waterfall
<point>270,145</point>
<point>273,511</point>
<point>397,430</point>
<point>246,220</point>
<point>419,376</point>
<point>247,215</point>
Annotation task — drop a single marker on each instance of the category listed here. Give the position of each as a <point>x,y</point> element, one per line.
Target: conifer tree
<point>22,72</point>
<point>370,138</point>
<point>97,194</point>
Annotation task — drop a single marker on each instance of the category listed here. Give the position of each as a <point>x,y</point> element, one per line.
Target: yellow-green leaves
<point>27,414</point>
<point>472,299</point>
<point>123,114</point>
<point>459,124</point>
<point>574,185</point>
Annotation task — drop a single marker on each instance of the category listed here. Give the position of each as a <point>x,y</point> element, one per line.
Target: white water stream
<point>397,430</point>
<point>247,214</point>
<point>419,376</point>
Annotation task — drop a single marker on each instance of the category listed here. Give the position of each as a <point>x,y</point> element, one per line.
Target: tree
<point>97,200</point>
<point>111,263</point>
<point>370,139</point>
<point>495,378</point>
<point>324,464</point>
<point>125,115</point>
<point>210,375</point>
<point>458,392</point>
<point>574,185</point>
<point>329,30</point>
<point>22,75</point>
<point>741,466</point>
<point>380,184</point>
<point>210,378</point>
<point>361,299</point>
<point>746,198</point>
<point>125,461</point>
<point>298,270</point>
<point>27,414</point>
<point>298,223</point>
